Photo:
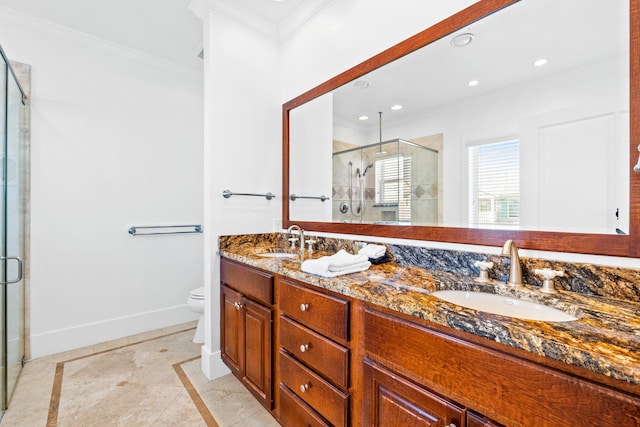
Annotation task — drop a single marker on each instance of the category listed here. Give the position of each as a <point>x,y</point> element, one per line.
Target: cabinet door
<point>231,329</point>
<point>390,400</point>
<point>257,349</point>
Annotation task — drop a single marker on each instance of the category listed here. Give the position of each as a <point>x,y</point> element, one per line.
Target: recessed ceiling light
<point>540,62</point>
<point>363,118</point>
<point>463,39</point>
<point>396,107</point>
<point>473,83</point>
<point>362,84</point>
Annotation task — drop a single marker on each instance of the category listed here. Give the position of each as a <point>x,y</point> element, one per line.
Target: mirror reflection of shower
<point>388,182</point>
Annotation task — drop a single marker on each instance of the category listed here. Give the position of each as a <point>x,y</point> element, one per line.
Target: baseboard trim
<point>57,341</point>
<point>212,365</point>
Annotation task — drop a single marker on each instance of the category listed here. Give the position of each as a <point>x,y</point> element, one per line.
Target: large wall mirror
<point>509,120</point>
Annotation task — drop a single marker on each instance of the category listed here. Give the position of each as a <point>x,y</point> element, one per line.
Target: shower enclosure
<point>391,182</point>
<point>12,229</point>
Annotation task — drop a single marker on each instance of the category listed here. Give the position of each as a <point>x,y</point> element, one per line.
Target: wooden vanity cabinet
<point>246,307</point>
<point>508,389</point>
<point>313,356</point>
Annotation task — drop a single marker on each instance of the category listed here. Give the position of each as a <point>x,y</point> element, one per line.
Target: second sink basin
<point>504,305</point>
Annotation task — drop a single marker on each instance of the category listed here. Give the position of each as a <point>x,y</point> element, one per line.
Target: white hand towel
<point>320,267</point>
<point>365,264</point>
<point>373,251</point>
<point>343,260</point>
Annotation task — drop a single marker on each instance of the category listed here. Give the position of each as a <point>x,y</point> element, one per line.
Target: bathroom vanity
<point>375,348</point>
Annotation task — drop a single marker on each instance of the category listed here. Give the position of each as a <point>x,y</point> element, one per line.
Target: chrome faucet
<point>515,271</point>
<point>300,232</point>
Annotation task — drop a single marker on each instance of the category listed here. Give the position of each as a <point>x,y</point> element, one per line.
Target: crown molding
<point>294,22</point>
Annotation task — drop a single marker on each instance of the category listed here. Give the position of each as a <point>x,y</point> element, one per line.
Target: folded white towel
<point>373,251</point>
<point>363,264</point>
<point>343,260</point>
<point>336,265</point>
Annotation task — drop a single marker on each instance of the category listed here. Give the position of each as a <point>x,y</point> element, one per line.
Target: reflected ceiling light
<point>540,62</point>
<point>363,118</point>
<point>396,107</point>
<point>473,83</point>
<point>362,84</point>
<point>462,40</point>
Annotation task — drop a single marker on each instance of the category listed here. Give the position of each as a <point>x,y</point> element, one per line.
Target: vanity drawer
<point>326,399</point>
<point>294,412</point>
<point>323,313</point>
<point>254,284</point>
<point>328,358</point>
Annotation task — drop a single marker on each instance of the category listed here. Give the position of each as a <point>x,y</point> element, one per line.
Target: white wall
<point>311,162</point>
<point>242,149</point>
<point>116,141</point>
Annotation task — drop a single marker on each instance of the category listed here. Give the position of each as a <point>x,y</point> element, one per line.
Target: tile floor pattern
<point>151,379</point>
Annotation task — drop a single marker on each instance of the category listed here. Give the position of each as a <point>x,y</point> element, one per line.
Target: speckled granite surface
<point>605,338</point>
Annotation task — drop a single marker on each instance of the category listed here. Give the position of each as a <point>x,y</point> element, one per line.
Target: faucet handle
<point>310,243</point>
<point>483,266</point>
<point>548,275</point>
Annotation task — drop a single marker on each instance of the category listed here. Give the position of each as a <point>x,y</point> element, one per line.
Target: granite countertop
<point>605,338</point>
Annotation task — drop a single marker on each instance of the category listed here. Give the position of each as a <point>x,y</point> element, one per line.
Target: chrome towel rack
<point>164,229</point>
<point>322,198</point>
<point>226,194</point>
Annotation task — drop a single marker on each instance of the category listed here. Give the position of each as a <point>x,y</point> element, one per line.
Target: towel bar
<point>226,194</point>
<point>163,229</point>
<point>322,198</point>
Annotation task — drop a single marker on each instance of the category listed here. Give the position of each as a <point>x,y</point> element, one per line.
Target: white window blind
<point>393,185</point>
<point>494,184</point>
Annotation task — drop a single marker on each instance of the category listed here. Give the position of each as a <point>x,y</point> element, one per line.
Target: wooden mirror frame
<point>586,243</point>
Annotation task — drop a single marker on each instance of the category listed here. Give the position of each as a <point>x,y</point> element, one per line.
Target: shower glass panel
<point>11,232</point>
<point>14,243</point>
<point>393,182</point>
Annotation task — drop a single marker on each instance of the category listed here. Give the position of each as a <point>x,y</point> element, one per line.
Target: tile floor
<point>151,379</point>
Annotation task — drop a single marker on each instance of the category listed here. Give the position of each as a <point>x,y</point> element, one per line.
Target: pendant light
<point>380,150</point>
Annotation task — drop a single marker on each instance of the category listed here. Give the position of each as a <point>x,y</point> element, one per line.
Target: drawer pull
<point>305,387</point>
<point>304,347</point>
<point>304,307</point>
<point>237,305</point>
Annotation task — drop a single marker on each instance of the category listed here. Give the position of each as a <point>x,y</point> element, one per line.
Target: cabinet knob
<point>304,387</point>
<point>304,307</point>
<point>237,305</point>
<point>452,425</point>
<point>304,347</point>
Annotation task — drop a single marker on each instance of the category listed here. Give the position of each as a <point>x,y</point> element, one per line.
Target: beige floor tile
<point>132,382</point>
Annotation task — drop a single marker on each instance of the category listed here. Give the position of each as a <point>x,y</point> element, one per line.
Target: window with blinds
<point>494,184</point>
<point>393,185</point>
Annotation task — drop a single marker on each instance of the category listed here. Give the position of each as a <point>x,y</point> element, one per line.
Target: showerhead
<point>366,169</point>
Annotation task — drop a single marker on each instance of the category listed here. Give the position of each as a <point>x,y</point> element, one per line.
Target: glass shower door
<point>11,236</point>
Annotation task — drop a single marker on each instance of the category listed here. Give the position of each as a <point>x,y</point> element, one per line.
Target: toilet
<point>196,303</point>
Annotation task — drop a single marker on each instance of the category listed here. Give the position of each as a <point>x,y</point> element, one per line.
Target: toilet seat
<point>197,294</point>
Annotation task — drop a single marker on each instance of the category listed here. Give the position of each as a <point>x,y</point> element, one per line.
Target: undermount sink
<point>276,253</point>
<point>504,306</point>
